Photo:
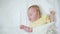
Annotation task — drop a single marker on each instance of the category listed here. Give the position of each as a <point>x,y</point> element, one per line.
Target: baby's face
<point>32,14</point>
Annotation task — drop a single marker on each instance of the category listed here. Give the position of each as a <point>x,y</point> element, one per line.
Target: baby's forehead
<point>33,8</point>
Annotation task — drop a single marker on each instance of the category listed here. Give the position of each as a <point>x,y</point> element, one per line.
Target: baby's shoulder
<point>45,16</point>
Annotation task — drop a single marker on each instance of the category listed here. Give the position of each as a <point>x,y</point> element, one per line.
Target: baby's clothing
<point>43,20</point>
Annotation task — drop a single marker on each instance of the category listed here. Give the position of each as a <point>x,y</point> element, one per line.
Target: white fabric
<point>13,13</point>
<point>42,29</point>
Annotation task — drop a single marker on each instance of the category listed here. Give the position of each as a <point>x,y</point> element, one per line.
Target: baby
<point>36,18</point>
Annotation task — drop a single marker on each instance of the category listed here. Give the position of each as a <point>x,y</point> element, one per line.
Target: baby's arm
<point>28,29</point>
<point>52,16</point>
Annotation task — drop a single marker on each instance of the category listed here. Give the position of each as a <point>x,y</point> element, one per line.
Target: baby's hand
<point>22,27</point>
<point>52,13</point>
<point>52,16</point>
<point>27,29</point>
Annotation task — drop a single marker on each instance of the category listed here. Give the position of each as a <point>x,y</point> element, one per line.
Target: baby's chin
<point>32,20</point>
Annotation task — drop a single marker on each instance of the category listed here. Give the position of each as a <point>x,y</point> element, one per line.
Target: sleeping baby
<point>36,18</point>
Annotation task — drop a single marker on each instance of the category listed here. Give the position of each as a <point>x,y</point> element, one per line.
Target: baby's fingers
<point>52,12</point>
<point>22,26</point>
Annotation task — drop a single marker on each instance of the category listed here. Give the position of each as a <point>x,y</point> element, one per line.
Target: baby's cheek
<point>34,18</point>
